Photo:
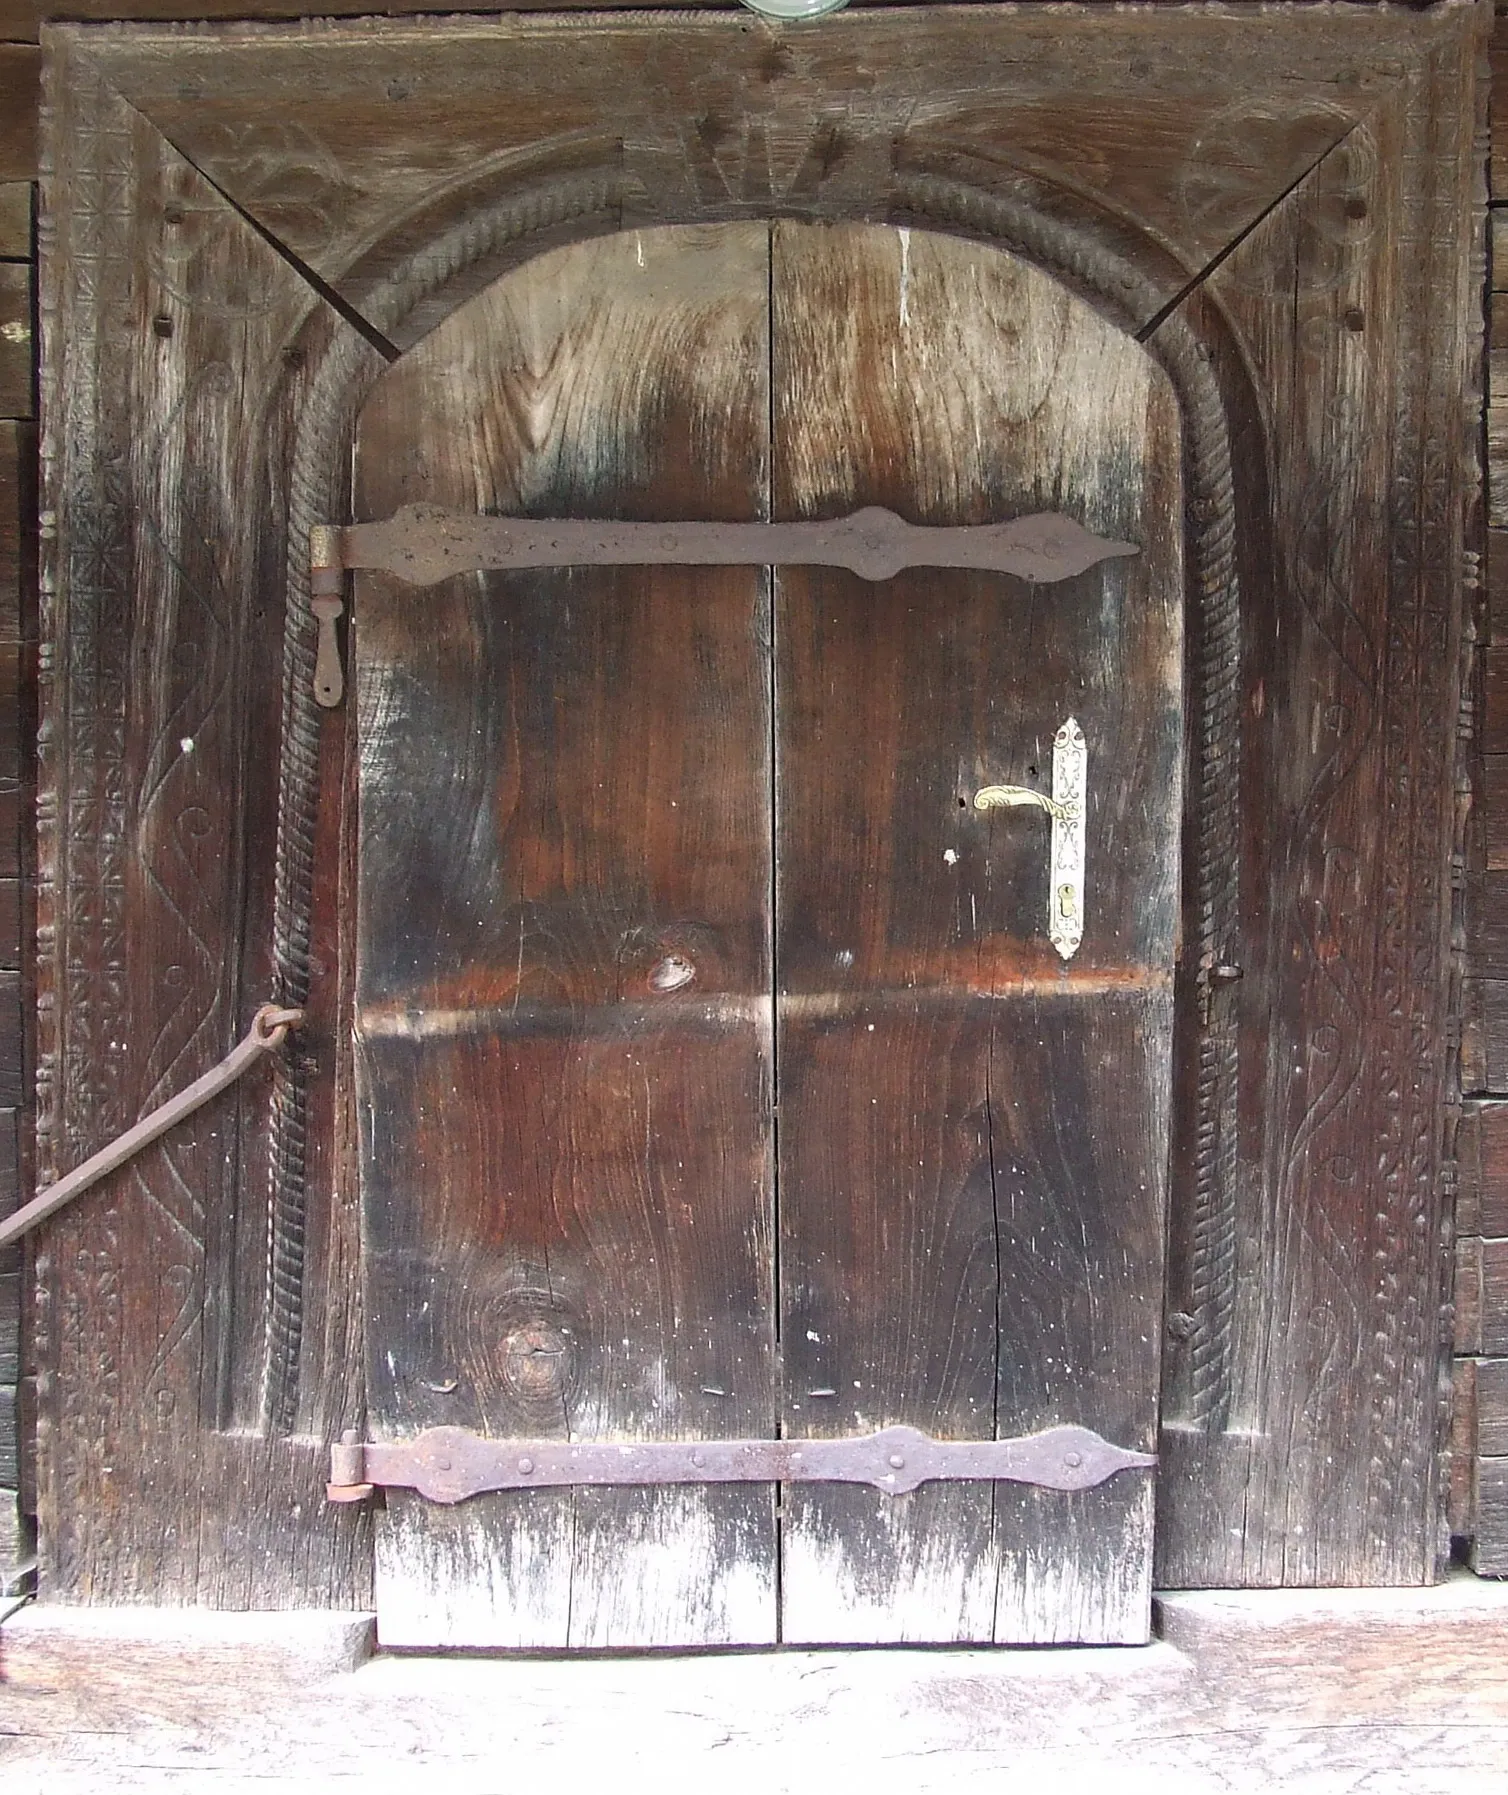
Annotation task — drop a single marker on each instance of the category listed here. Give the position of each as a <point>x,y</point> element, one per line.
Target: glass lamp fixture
<point>794,9</point>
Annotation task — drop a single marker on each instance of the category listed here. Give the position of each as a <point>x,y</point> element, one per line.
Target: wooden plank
<point>1496,621</point>
<point>10,924</point>
<point>1492,998</point>
<point>1493,1153</point>
<point>16,348</point>
<point>21,20</point>
<point>1318,1690</point>
<point>1494,735</point>
<point>1489,1554</point>
<point>1497,462</point>
<point>946,1225</point>
<point>566,1176</point>
<point>151,859</point>
<point>15,219</point>
<point>10,1326</point>
<point>170,1650</point>
<point>1199,157</point>
<point>1331,1454</point>
<point>1487,924</point>
<point>1469,1168</point>
<point>1461,1506</point>
<point>17,533</point>
<point>1467,1285</point>
<point>20,82</point>
<point>1491,1380</point>
<point>13,1091</point>
<point>1494,1298</point>
<point>1498,166</point>
<point>1497,222</point>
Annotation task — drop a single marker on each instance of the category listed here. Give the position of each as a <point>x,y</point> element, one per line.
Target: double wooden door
<point>717,1076</point>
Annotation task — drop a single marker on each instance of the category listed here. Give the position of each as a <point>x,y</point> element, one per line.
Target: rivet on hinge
<point>327,586</point>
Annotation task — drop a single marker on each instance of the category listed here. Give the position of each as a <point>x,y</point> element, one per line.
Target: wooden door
<point>717,1076</point>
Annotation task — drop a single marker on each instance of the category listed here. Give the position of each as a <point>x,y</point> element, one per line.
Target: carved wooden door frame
<point>244,224</point>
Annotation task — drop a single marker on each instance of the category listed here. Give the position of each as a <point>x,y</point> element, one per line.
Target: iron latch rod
<point>269,1028</point>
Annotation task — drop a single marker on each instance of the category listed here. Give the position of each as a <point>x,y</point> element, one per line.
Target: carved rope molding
<point>343,370</point>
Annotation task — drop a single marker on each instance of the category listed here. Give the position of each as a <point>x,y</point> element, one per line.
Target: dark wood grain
<point>1398,82</point>
<point>1498,167</point>
<point>1491,1381</point>
<point>1461,1506</point>
<point>1467,1285</point>
<point>15,219</point>
<point>1334,1444</point>
<point>1489,1554</point>
<point>1483,1208</point>
<point>16,359</point>
<point>157,622</point>
<point>725,115</point>
<point>952,1096</point>
<point>17,531</point>
<point>563,979</point>
<point>20,72</point>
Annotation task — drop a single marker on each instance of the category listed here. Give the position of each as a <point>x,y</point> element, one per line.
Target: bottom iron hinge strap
<point>448,1464</point>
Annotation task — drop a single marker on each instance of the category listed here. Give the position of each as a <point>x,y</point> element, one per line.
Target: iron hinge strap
<point>423,544</point>
<point>448,1464</point>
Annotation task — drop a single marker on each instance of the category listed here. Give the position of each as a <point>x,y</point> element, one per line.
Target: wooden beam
<point>16,334</point>
<point>20,86</point>
<point>1409,1685</point>
<point>15,219</point>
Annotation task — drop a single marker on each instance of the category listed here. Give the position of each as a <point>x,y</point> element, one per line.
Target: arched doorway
<point>718,1078</point>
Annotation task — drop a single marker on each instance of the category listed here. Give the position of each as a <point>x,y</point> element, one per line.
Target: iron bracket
<point>448,1464</point>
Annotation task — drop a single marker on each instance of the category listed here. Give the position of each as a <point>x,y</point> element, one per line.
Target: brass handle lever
<point>1070,765</point>
<point>1019,797</point>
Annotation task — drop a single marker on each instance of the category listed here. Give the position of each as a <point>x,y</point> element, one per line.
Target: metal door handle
<point>1070,766</point>
<point>1018,797</point>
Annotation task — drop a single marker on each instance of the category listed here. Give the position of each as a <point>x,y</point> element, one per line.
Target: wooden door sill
<point>1314,1682</point>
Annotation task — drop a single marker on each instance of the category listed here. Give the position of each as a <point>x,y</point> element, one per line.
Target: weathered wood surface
<point>1230,143</point>
<point>20,71</point>
<point>1316,1693</point>
<point>1479,1441</point>
<point>729,116</point>
<point>15,219</point>
<point>16,334</point>
<point>1354,635</point>
<point>158,771</point>
<point>562,1001</point>
<point>973,1136</point>
<point>17,720</point>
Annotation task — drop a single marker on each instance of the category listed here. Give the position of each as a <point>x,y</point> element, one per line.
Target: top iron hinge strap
<point>423,544</point>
